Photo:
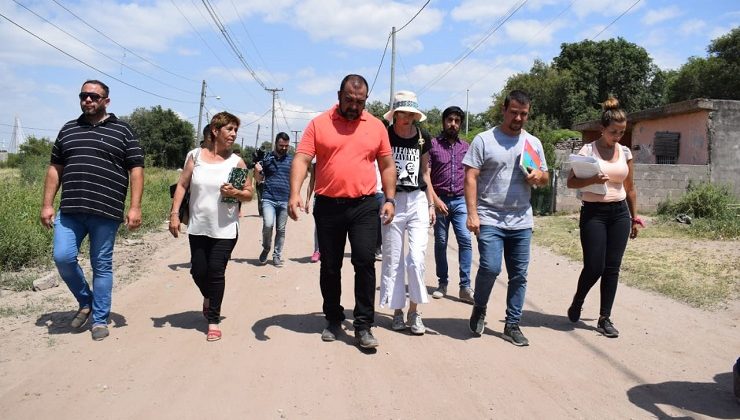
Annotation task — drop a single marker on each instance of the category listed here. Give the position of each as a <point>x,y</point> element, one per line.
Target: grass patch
<point>25,244</point>
<point>665,258</point>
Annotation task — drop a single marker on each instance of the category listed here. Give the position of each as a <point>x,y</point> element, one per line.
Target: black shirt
<point>407,153</point>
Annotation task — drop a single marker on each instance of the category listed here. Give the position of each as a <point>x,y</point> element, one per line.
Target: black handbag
<point>183,213</point>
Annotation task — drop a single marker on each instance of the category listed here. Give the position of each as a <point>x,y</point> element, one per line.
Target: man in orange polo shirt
<point>346,140</point>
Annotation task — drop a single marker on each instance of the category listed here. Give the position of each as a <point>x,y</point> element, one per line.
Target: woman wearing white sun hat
<point>410,146</point>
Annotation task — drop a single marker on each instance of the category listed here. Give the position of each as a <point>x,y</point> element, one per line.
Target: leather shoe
<point>365,339</point>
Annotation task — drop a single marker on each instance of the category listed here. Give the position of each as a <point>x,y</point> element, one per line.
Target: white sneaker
<point>440,292</point>
<point>417,326</point>
<point>398,324</point>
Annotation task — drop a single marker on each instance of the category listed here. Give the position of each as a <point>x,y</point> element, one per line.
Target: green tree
<point>612,67</point>
<point>165,137</point>
<point>378,109</point>
<point>716,77</point>
<point>34,146</point>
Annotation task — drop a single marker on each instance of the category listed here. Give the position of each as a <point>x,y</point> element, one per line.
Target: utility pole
<point>198,134</point>
<point>393,65</point>
<point>467,113</point>
<point>295,138</point>
<point>274,93</point>
<point>257,138</point>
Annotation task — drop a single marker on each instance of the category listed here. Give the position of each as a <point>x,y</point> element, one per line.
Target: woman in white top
<point>606,220</point>
<point>214,224</point>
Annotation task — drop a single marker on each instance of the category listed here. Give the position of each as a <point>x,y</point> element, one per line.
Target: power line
<point>90,66</point>
<point>209,46</point>
<point>616,19</point>
<point>249,37</point>
<point>414,17</point>
<point>491,31</point>
<point>521,46</point>
<point>231,43</point>
<point>381,63</point>
<point>125,49</point>
<point>32,128</point>
<point>101,52</point>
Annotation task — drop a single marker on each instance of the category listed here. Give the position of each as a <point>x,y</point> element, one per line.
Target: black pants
<point>208,259</point>
<point>336,220</point>
<point>605,229</point>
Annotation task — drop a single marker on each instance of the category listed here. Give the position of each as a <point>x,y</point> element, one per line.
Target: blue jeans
<point>271,211</point>
<point>69,231</point>
<point>514,244</point>
<point>457,213</point>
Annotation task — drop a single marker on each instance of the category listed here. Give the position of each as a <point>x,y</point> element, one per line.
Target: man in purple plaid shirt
<point>448,180</point>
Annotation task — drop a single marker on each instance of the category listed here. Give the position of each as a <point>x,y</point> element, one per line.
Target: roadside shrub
<point>702,200</point>
<point>713,208</point>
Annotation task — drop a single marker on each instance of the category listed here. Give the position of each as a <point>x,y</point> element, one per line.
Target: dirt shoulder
<point>670,360</point>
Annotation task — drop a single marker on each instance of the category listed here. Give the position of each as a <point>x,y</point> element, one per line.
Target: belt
<point>450,195</point>
<point>603,203</point>
<point>343,200</point>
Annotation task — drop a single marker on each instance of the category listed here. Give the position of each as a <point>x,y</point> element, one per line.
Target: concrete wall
<point>724,148</point>
<point>693,149</point>
<point>654,184</point>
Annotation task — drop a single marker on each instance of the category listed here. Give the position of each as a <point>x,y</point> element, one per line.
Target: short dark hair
<point>453,110</point>
<point>99,83</point>
<point>282,136</point>
<point>353,78</point>
<point>517,95</point>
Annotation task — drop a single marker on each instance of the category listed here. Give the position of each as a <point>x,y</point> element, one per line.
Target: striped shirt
<point>96,161</point>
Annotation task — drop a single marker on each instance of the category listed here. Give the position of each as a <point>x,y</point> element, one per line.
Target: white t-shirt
<point>209,216</point>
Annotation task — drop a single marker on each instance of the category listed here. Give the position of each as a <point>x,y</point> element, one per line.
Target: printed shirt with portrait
<point>503,192</point>
<point>407,154</point>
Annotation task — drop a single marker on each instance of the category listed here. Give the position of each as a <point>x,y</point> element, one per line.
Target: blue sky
<point>161,50</point>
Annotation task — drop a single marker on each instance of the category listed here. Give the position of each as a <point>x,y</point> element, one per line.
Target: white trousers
<point>412,217</point>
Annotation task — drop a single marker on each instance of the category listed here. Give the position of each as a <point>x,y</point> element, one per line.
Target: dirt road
<point>670,360</point>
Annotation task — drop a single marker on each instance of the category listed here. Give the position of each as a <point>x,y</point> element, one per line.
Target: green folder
<point>237,178</point>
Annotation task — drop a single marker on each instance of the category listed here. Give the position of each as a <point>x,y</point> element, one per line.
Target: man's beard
<point>451,133</point>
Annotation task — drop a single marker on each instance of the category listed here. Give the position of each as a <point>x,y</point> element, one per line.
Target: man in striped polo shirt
<point>274,169</point>
<point>94,159</point>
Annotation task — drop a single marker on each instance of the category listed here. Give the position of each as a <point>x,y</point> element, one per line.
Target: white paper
<point>586,167</point>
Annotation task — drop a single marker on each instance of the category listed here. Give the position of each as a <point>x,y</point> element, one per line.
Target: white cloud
<point>692,27</point>
<point>583,8</point>
<point>533,32</point>
<point>660,15</point>
<point>364,25</point>
<point>482,10</point>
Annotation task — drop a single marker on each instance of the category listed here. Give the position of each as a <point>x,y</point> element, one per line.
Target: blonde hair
<point>612,112</point>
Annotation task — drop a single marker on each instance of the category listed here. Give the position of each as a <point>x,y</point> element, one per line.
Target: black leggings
<point>208,259</point>
<point>605,229</point>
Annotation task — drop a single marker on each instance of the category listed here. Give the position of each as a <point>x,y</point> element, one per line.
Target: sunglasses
<point>93,96</point>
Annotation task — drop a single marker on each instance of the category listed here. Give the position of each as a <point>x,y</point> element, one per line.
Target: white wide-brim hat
<point>405,100</point>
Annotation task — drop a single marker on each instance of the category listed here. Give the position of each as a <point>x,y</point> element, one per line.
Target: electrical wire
<point>616,19</point>
<point>480,42</point>
<point>414,17</point>
<point>92,67</point>
<point>102,53</point>
<point>124,48</point>
<point>231,43</point>
<point>387,42</point>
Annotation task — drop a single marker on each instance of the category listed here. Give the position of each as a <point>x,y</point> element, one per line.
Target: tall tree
<point>165,137</point>
<point>612,67</point>
<point>716,76</point>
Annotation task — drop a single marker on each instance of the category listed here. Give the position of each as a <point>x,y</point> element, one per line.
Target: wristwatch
<point>391,200</point>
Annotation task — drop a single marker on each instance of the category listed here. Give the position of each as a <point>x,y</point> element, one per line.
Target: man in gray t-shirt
<point>497,194</point>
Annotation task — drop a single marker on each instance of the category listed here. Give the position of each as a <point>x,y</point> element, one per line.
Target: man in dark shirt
<point>94,157</point>
<point>274,170</point>
<point>448,181</point>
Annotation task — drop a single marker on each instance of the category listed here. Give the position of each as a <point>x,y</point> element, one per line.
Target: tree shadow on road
<point>58,322</point>
<point>189,320</point>
<point>711,399</point>
<point>311,323</point>
<point>554,322</point>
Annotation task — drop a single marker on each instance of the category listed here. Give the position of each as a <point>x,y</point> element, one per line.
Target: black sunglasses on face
<point>93,96</point>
